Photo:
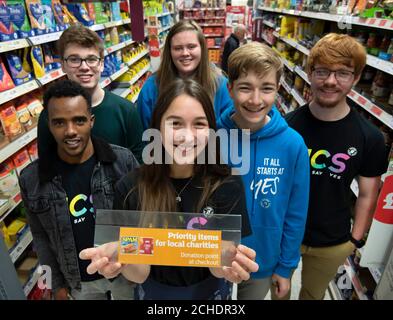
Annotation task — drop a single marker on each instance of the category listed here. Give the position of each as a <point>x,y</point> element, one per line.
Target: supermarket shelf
<point>53,75</point>
<point>122,92</point>
<point>133,100</point>
<point>161,30</point>
<point>372,108</point>
<point>283,106</point>
<point>214,47</point>
<point>17,144</point>
<point>14,200</point>
<point>269,24</point>
<point>163,14</point>
<point>355,187</point>
<point>266,39</point>
<point>113,77</point>
<point>18,91</point>
<point>334,291</point>
<point>118,46</point>
<point>343,20</point>
<point>119,73</point>
<point>203,18</point>
<point>31,282</point>
<point>286,86</point>
<point>380,64</point>
<point>298,97</point>
<point>21,245</point>
<point>49,37</point>
<point>105,82</point>
<point>214,35</point>
<point>54,36</point>
<point>136,58</point>
<point>140,74</point>
<point>201,9</point>
<point>372,61</point>
<point>302,74</point>
<point>355,280</point>
<point>211,24</point>
<point>13,45</point>
<point>288,64</point>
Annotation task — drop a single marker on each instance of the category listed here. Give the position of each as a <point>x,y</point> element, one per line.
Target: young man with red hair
<point>342,145</point>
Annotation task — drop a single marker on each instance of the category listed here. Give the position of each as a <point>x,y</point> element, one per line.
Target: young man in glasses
<point>116,119</point>
<point>342,145</point>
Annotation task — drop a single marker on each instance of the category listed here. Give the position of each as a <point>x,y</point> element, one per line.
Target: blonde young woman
<point>183,115</point>
<point>185,56</point>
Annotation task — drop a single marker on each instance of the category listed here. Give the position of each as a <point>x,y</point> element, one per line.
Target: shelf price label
<point>374,109</point>
<point>362,101</point>
<point>105,82</point>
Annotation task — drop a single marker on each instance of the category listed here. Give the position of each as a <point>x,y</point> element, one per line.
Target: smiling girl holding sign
<point>183,115</point>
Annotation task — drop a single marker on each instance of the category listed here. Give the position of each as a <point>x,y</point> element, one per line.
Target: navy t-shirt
<point>76,179</point>
<point>339,151</point>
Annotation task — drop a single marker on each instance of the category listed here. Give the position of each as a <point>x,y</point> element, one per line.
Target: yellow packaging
<point>114,35</point>
<point>25,61</point>
<point>4,230</point>
<point>37,60</point>
<point>14,228</point>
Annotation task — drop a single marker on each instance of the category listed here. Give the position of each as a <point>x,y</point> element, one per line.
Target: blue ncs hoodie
<point>148,97</point>
<point>277,189</point>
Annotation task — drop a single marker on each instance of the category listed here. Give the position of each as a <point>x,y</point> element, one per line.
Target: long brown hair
<point>154,187</point>
<point>206,74</point>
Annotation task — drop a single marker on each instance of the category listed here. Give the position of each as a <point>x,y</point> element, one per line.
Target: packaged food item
<point>35,106</point>
<point>114,35</point>
<point>80,13</point>
<point>100,15</point>
<point>18,74</point>
<point>115,10</point>
<point>36,16</point>
<point>57,9</point>
<point>380,86</point>
<point>32,149</point>
<point>15,228</point>
<point>7,31</point>
<point>9,120</point>
<point>91,11</point>
<point>49,17</point>
<point>24,115</point>
<point>37,61</point>
<point>107,39</point>
<point>21,159</point>
<point>19,19</point>
<point>5,79</point>
<point>69,18</point>
<point>8,177</point>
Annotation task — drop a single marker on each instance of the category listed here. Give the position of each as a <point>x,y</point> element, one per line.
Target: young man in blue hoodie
<point>277,183</point>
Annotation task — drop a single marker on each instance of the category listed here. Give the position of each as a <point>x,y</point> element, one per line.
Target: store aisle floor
<point>296,284</point>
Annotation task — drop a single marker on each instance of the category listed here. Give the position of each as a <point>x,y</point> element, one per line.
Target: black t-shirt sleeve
<point>375,160</point>
<point>230,198</point>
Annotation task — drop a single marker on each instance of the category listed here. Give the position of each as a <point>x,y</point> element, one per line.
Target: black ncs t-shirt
<point>76,179</point>
<point>229,198</point>
<point>339,151</point>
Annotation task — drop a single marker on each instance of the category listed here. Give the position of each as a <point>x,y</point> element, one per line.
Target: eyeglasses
<point>76,62</point>
<point>340,75</point>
